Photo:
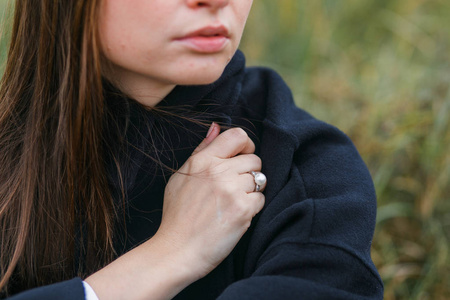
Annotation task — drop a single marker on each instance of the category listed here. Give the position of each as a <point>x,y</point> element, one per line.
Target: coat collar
<point>164,133</point>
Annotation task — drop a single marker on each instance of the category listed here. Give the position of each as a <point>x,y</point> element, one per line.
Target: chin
<point>201,77</point>
<point>203,71</point>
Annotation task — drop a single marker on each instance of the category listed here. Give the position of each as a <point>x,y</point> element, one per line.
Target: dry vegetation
<point>380,71</point>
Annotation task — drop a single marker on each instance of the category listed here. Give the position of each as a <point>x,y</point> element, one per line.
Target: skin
<point>207,212</point>
<point>140,40</point>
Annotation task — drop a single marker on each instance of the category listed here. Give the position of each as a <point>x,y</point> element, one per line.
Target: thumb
<point>213,132</point>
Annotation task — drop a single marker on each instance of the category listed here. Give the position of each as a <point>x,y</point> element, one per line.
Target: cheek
<point>244,9</point>
<point>115,43</point>
<point>125,28</point>
<point>241,11</point>
<point>113,35</point>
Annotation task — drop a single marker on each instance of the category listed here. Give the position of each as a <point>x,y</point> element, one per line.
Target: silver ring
<point>260,181</point>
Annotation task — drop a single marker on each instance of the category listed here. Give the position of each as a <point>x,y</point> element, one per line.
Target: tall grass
<point>5,22</point>
<point>380,71</point>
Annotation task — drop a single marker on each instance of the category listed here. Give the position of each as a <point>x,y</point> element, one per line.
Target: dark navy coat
<point>312,239</point>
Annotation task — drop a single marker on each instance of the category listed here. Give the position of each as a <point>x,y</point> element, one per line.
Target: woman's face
<point>156,44</point>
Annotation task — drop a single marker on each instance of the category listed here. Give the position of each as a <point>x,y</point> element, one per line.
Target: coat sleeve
<point>68,290</point>
<point>312,240</point>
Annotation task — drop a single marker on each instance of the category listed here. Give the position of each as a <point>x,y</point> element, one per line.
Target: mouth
<point>210,31</point>
<point>209,39</point>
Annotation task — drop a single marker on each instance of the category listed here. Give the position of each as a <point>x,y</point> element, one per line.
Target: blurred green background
<point>380,71</point>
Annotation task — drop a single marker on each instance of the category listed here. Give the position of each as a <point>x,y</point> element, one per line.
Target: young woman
<point>117,182</point>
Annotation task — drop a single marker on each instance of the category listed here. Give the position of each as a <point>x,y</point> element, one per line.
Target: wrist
<point>179,258</point>
<point>153,270</point>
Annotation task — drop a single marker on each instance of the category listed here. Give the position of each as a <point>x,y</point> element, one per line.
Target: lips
<point>209,39</point>
<point>209,31</point>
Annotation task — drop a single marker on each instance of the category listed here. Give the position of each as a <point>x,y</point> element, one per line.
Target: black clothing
<point>312,239</point>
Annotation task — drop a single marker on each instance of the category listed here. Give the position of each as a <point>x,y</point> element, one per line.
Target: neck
<point>143,89</point>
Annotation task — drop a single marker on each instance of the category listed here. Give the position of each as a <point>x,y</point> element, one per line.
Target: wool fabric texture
<point>311,240</point>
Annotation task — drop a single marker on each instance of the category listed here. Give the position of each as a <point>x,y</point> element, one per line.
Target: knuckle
<point>238,207</point>
<point>198,163</point>
<point>239,134</point>
<point>248,214</point>
<point>256,159</point>
<point>197,159</point>
<point>246,211</point>
<point>226,190</point>
<point>247,224</point>
<point>262,202</point>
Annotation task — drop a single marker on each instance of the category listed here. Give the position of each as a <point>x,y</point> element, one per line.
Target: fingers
<point>247,182</point>
<point>213,132</point>
<point>227,145</point>
<point>245,163</point>
<point>256,202</point>
<point>230,143</point>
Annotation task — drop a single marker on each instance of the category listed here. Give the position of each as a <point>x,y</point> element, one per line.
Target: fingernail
<point>210,129</point>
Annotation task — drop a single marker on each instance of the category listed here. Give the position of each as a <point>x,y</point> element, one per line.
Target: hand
<point>208,206</point>
<point>210,202</point>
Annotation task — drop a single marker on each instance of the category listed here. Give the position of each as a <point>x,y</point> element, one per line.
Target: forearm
<point>151,271</point>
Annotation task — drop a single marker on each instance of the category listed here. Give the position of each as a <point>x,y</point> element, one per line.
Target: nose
<point>213,4</point>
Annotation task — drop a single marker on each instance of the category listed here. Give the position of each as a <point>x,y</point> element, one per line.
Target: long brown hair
<point>53,187</point>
